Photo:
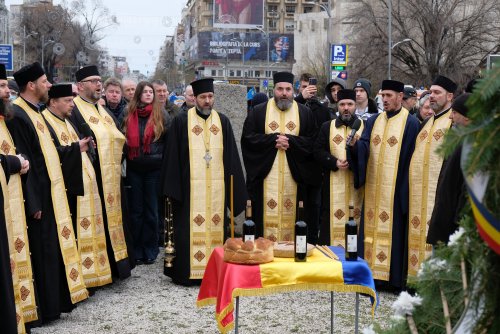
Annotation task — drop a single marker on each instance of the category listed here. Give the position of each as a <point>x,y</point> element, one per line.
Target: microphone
<point>86,132</point>
<point>355,127</point>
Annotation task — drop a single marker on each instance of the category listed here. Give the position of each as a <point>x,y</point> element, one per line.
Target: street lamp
<point>44,44</point>
<point>328,10</point>
<point>391,47</point>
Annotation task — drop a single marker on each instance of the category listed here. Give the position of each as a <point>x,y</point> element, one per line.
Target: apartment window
<point>289,25</point>
<point>214,73</point>
<point>308,9</point>
<point>272,8</point>
<point>273,24</point>
<point>238,73</point>
<point>220,74</point>
<point>231,73</point>
<point>257,74</point>
<point>290,9</point>
<point>210,6</point>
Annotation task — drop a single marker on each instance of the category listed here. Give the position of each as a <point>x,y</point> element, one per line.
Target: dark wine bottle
<point>300,245</point>
<point>351,240</point>
<point>248,224</point>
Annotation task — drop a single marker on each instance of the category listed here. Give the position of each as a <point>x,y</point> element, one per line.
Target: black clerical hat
<point>458,104</point>
<point>3,72</point>
<point>346,94</point>
<point>201,86</point>
<point>283,77</point>
<point>446,83</point>
<point>28,73</point>
<point>394,85</point>
<point>61,90</point>
<point>86,72</point>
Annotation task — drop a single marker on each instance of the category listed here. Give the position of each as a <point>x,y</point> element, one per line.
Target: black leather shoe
<point>139,261</point>
<point>149,261</point>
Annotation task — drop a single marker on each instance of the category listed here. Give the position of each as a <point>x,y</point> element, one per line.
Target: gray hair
<point>422,100</point>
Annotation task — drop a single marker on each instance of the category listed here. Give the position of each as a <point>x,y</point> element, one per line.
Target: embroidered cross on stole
<point>89,222</point>
<point>20,234</point>
<point>425,167</point>
<point>343,196</point>
<point>66,235</point>
<point>207,189</point>
<point>385,145</point>
<point>280,189</point>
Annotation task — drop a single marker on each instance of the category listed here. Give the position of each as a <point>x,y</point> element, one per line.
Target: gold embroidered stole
<point>12,253</point>
<point>280,189</point>
<point>67,242</point>
<point>20,233</point>
<point>110,143</point>
<point>207,189</point>
<point>345,201</point>
<point>382,170</point>
<point>90,227</point>
<point>425,167</point>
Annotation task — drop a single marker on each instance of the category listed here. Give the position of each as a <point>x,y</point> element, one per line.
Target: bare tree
<point>450,37</point>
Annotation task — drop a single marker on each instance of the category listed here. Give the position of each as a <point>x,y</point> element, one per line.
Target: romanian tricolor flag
<point>223,281</point>
<point>487,225</point>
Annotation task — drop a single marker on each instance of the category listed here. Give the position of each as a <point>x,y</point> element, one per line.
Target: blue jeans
<point>143,192</point>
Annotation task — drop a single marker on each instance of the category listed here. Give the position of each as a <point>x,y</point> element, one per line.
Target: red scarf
<point>133,141</point>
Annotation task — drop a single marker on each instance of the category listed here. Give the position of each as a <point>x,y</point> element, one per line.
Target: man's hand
<point>38,215</point>
<point>342,164</point>
<point>309,92</point>
<point>25,164</point>
<point>282,142</point>
<point>84,144</point>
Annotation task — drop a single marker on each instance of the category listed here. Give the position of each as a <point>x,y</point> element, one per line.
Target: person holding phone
<point>321,113</point>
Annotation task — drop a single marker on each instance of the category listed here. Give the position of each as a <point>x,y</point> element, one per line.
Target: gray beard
<point>346,118</point>
<point>283,104</point>
<point>205,111</point>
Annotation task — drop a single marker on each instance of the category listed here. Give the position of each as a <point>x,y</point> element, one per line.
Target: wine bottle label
<point>250,237</point>
<point>301,244</point>
<point>352,243</point>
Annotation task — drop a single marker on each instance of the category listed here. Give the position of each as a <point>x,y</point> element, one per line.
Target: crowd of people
<point>89,169</point>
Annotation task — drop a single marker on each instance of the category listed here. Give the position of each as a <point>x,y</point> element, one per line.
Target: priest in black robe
<point>52,291</point>
<point>451,190</point>
<point>387,141</point>
<point>290,132</point>
<point>341,202</point>
<point>187,162</point>
<point>109,140</point>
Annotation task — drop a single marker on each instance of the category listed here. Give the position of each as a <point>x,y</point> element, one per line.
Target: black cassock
<point>361,153</point>
<point>328,163</point>
<point>259,152</point>
<point>53,295</point>
<point>450,200</point>
<point>121,269</point>
<point>176,185</point>
<point>7,305</point>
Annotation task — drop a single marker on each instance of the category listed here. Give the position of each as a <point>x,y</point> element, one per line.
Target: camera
<point>313,81</point>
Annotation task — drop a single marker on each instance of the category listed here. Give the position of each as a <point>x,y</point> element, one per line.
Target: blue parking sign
<point>6,56</point>
<point>339,54</point>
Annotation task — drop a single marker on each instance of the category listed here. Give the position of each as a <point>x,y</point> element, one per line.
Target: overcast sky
<point>142,28</point>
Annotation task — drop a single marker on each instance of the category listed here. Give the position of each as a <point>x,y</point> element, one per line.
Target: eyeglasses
<point>93,81</point>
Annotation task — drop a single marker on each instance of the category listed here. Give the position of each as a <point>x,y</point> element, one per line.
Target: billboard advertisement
<point>246,46</point>
<point>238,13</point>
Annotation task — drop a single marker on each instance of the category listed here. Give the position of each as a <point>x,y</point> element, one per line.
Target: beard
<point>204,110</point>
<point>283,104</point>
<point>436,106</point>
<point>346,117</point>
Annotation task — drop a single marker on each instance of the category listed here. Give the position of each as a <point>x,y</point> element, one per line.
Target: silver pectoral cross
<point>207,158</point>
